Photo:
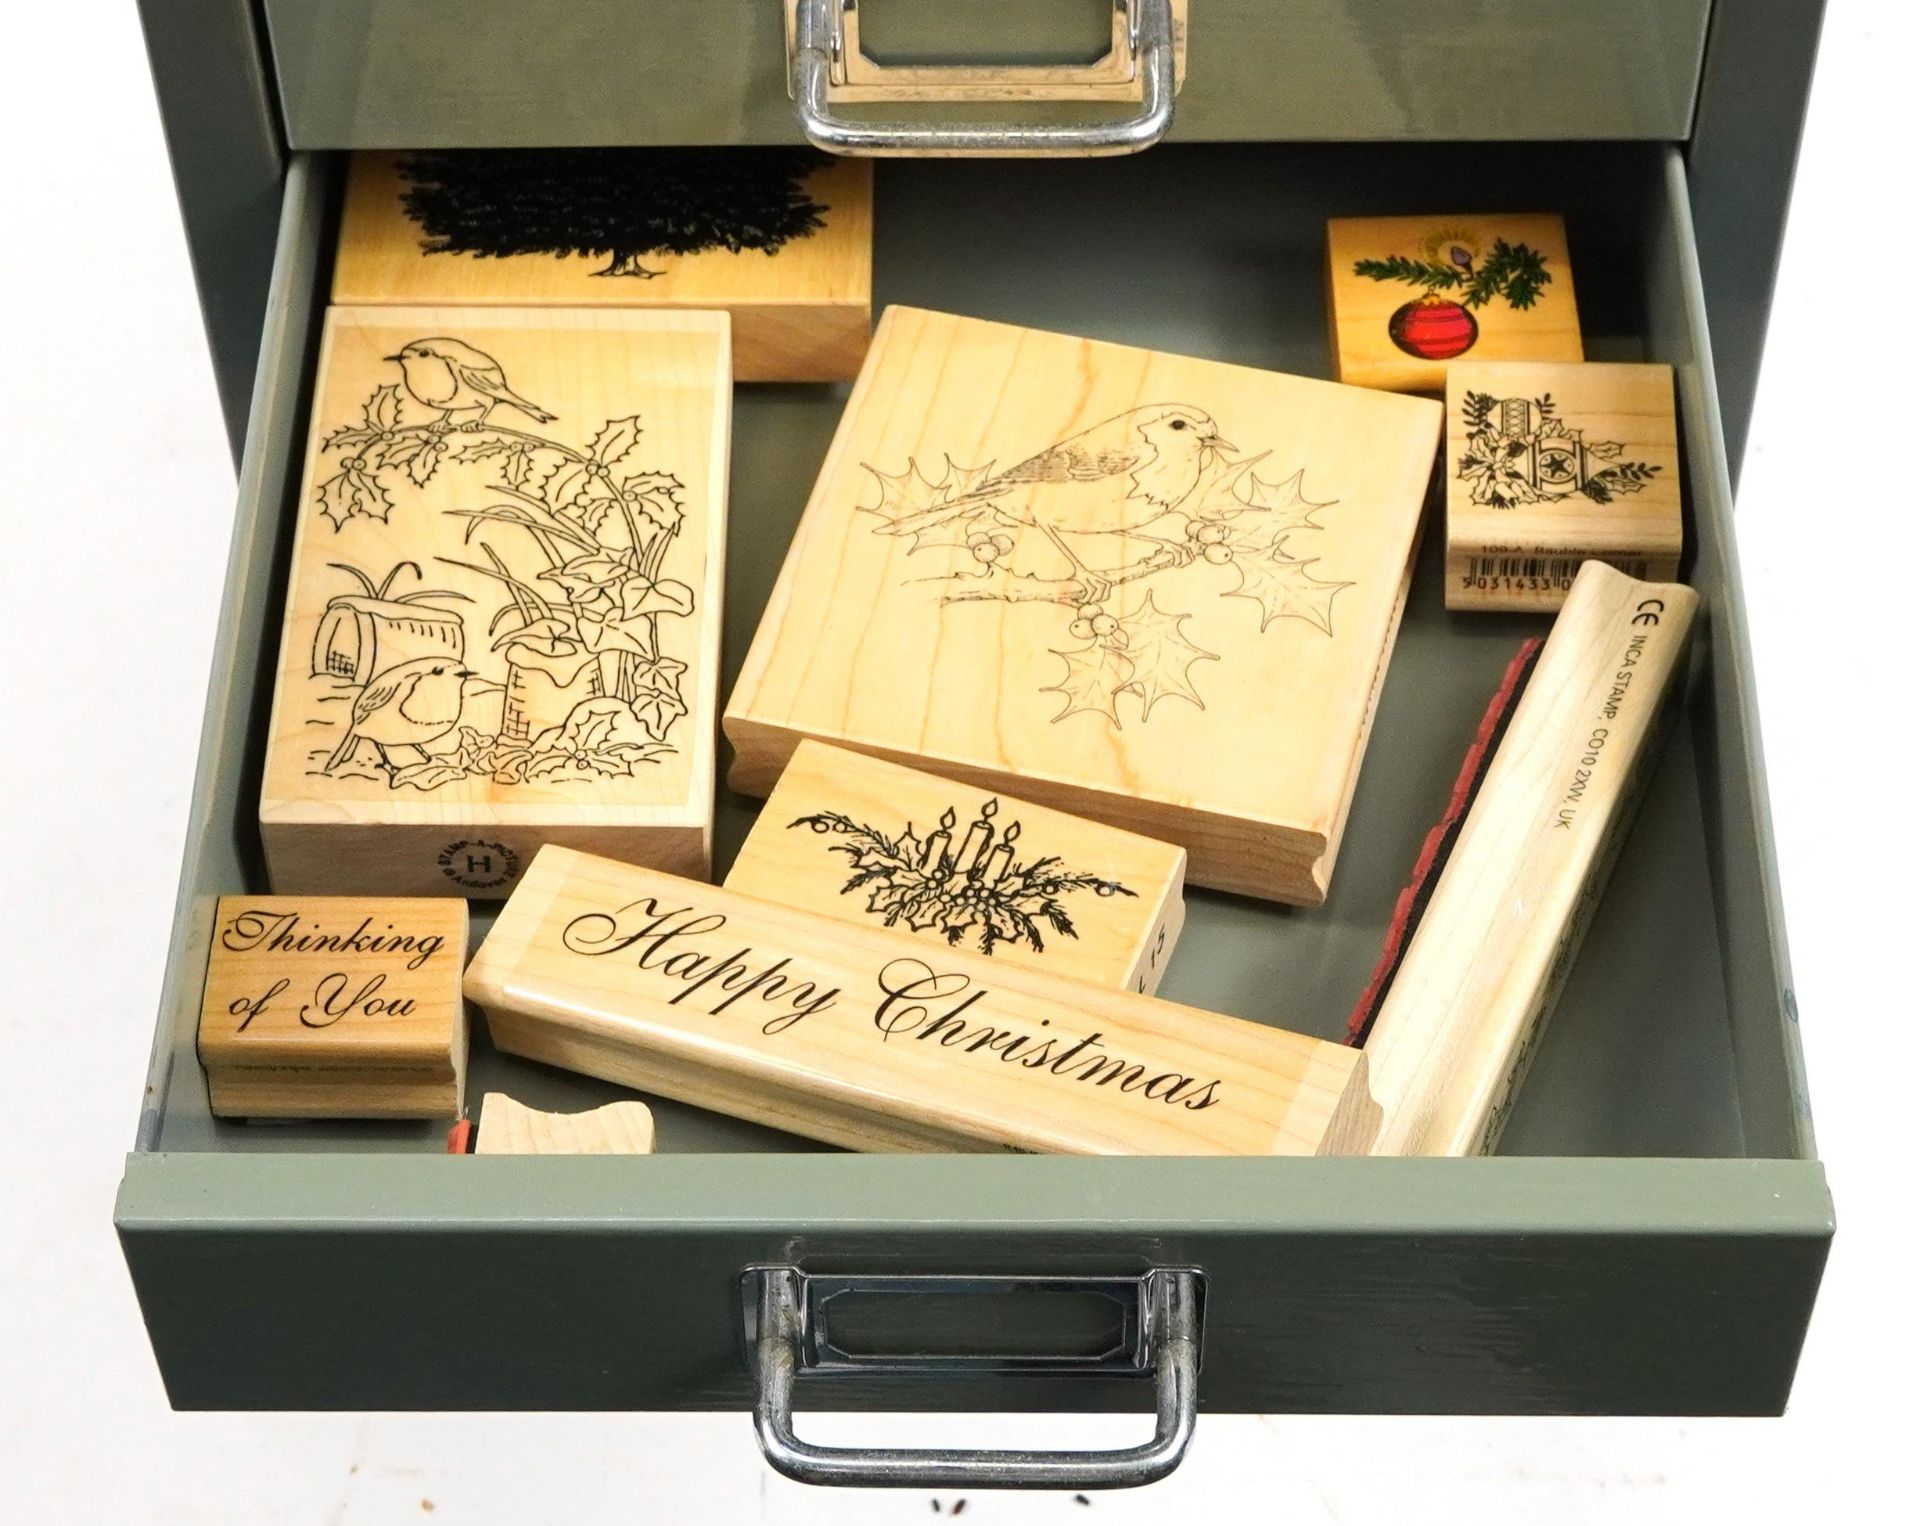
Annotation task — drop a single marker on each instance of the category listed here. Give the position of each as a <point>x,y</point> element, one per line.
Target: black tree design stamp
<point>1520,451</point>
<point>578,540</point>
<point>1156,485</point>
<point>621,203</point>
<point>978,885</point>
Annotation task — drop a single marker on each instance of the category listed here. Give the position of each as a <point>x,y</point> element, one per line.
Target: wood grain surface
<point>503,619</point>
<point>876,844</point>
<point>1549,465</point>
<point>1444,248</point>
<point>876,1041</point>
<point>325,1007</point>
<point>508,1127</point>
<point>803,313</point>
<point>1503,926</point>
<point>1153,591</point>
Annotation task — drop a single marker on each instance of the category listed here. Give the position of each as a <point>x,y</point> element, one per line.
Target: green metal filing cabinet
<point>1651,1237</point>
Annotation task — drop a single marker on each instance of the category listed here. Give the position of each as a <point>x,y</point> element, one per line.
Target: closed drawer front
<point>503,73</point>
<point>1650,1242</point>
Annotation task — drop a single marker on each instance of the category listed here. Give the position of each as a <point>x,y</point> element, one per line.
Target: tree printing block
<point>1156,592</point>
<point>319,1007</point>
<point>1550,465</point>
<point>874,1039</point>
<point>502,625</point>
<point>780,238</point>
<point>879,845</point>
<point>1409,295</point>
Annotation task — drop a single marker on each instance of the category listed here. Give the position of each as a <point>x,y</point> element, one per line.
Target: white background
<point>116,496</point>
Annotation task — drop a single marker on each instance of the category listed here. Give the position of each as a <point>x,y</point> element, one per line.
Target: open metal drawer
<point>1650,1241</point>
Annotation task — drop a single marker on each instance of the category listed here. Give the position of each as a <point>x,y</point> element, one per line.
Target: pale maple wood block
<point>872,843</point>
<point>877,1040</point>
<point>1152,591</point>
<point>802,313</point>
<point>1549,465</point>
<point>1481,973</point>
<point>508,1127</point>
<point>503,620</point>
<point>1410,296</point>
<point>320,1007</point>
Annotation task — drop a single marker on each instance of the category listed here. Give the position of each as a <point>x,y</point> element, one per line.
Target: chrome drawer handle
<point>1164,1339</point>
<point>818,41</point>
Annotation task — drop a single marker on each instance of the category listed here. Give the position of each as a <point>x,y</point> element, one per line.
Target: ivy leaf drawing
<point>1095,674</point>
<point>657,710</point>
<point>353,492</point>
<point>1162,657</point>
<point>1285,589</point>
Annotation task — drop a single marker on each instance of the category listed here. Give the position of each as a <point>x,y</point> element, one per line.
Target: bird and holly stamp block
<point>878,844</point>
<point>502,624</point>
<point>779,238</point>
<point>1548,466</point>
<point>335,1007</point>
<point>1148,590</point>
<point>1412,295</point>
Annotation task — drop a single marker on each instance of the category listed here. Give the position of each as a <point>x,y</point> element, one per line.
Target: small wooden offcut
<point>508,1127</point>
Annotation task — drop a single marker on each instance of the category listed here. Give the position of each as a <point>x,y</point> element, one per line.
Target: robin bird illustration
<point>1161,451</point>
<point>409,705</point>
<point>454,377</point>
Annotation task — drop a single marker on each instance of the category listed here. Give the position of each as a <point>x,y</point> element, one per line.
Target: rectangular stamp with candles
<point>875,1039</point>
<point>502,625</point>
<point>879,845</point>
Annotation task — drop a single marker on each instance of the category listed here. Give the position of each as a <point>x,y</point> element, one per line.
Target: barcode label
<point>1538,574</point>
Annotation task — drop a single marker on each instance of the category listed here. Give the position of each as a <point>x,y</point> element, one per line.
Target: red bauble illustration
<point>1433,328</point>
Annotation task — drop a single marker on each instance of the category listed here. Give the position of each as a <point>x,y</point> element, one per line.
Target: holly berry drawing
<point>1456,273</point>
<point>1098,524</point>
<point>934,884</point>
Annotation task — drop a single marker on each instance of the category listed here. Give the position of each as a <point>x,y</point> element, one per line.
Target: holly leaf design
<point>1291,508</point>
<point>1162,657</point>
<point>1217,495</point>
<point>1285,588</point>
<point>353,492</point>
<point>914,505</point>
<point>1606,450</point>
<point>1095,674</point>
<point>383,409</point>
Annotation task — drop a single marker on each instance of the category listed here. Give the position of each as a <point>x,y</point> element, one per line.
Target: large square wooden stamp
<point>1412,295</point>
<point>502,624</point>
<point>787,252</point>
<point>1549,466</point>
<point>1154,591</point>
<point>880,845</point>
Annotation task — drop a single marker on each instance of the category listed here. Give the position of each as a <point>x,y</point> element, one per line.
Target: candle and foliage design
<point>1520,451</point>
<point>1157,485</point>
<point>1456,273</point>
<point>581,646</point>
<point>978,887</point>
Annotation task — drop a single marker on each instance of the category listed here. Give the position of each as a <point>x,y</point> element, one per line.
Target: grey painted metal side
<point>223,136</point>
<point>421,73</point>
<point>1500,1286</point>
<point>1740,164</point>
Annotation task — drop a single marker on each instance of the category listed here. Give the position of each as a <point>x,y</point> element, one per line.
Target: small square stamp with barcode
<point>1551,465</point>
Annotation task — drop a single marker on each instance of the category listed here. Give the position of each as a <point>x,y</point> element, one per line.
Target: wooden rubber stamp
<point>1152,591</point>
<point>878,1040</point>
<point>1480,974</point>
<point>779,238</point>
<point>881,845</point>
<point>503,616</point>
<point>1551,465</point>
<point>512,1128</point>
<point>319,1007</point>
<point>1411,295</point>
